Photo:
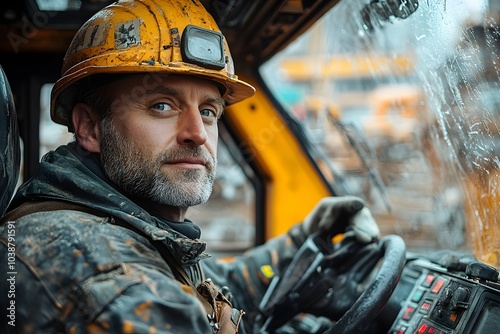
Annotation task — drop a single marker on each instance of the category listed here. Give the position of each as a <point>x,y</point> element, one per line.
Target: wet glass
<point>404,106</point>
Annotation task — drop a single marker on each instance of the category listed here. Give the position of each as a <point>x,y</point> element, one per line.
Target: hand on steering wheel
<point>324,280</point>
<point>336,215</point>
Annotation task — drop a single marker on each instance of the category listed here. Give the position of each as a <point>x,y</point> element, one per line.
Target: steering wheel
<point>325,280</point>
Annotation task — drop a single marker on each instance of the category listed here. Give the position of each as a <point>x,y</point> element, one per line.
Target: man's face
<point>160,142</point>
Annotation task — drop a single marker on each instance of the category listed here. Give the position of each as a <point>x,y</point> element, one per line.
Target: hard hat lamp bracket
<point>203,47</point>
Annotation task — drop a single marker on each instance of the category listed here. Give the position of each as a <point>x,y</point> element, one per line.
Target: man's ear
<point>86,125</point>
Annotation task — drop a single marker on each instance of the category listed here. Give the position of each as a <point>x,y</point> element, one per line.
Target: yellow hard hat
<point>157,36</point>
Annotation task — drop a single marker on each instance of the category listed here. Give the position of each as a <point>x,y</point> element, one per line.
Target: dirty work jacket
<point>76,272</point>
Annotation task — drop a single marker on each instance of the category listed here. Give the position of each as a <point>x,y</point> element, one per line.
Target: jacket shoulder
<point>73,258</point>
<point>78,238</point>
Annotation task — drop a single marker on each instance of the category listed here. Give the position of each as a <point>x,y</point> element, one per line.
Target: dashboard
<point>432,299</point>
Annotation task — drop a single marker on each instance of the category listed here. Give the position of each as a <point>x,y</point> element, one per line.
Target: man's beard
<point>141,175</point>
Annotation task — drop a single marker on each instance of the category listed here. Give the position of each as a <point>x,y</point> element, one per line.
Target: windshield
<point>402,100</point>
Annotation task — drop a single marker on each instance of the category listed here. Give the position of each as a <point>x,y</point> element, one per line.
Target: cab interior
<point>395,101</point>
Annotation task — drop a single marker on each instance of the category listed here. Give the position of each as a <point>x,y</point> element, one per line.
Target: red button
<point>422,329</point>
<point>428,281</point>
<point>402,330</point>
<point>425,307</point>
<point>439,284</point>
<point>408,313</point>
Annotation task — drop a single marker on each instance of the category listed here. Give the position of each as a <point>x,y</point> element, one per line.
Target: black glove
<point>346,214</point>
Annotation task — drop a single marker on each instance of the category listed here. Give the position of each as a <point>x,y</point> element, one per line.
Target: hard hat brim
<point>64,91</point>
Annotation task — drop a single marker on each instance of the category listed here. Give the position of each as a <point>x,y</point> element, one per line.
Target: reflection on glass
<point>406,110</point>
<point>58,5</point>
<point>52,135</point>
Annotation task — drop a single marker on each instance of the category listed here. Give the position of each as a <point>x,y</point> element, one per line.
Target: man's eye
<point>208,113</point>
<point>162,106</point>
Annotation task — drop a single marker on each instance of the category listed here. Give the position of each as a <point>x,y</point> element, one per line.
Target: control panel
<point>442,302</point>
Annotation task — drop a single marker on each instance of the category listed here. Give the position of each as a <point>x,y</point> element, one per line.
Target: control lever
<point>482,271</point>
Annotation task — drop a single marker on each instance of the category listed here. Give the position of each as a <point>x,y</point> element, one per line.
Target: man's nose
<point>192,129</point>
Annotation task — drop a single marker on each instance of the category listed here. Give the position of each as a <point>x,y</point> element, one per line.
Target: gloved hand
<point>344,214</point>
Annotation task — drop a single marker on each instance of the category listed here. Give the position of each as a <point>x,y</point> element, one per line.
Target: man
<point>103,243</point>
